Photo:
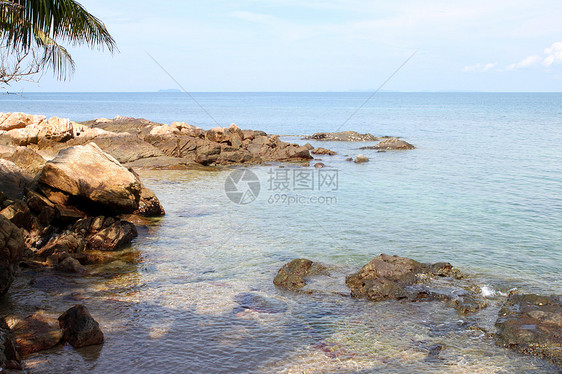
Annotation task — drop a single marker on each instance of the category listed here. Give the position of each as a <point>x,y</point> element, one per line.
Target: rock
<point>390,277</point>
<point>319,165</point>
<point>104,233</point>
<point>260,304</point>
<point>149,205</point>
<point>349,159</point>
<point>70,265</point>
<point>17,120</point>
<point>532,324</point>
<point>13,179</point>
<point>79,327</point>
<point>18,213</point>
<point>9,356</point>
<point>12,246</point>
<point>36,333</point>
<point>67,242</point>
<point>27,159</point>
<point>113,237</point>
<point>291,275</point>
<point>390,144</point>
<point>322,151</point>
<point>361,158</point>
<point>125,147</point>
<point>343,136</point>
<point>95,181</point>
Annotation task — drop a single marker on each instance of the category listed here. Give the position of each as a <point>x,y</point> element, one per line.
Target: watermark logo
<point>286,186</point>
<point>242,186</point>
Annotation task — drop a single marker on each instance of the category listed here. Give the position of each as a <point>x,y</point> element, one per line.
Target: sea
<point>482,190</point>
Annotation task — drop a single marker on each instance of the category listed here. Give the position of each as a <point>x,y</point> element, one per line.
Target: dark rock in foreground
<point>11,250</point>
<point>79,327</point>
<point>532,324</point>
<point>9,356</point>
<point>342,136</point>
<point>291,275</point>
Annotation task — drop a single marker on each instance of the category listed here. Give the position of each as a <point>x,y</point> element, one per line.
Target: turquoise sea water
<point>483,190</point>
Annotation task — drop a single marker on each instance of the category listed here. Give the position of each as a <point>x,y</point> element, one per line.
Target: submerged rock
<point>260,304</point>
<point>532,324</point>
<point>291,275</point>
<point>342,136</point>
<point>80,329</point>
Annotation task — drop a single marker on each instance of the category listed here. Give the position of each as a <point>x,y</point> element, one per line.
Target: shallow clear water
<point>482,191</point>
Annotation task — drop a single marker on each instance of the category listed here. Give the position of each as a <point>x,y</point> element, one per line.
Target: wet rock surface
<point>342,136</point>
<point>393,277</point>
<point>79,328</point>
<point>9,356</point>
<point>292,275</point>
<point>532,324</point>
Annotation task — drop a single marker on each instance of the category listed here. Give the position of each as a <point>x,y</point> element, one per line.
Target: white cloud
<point>525,63</point>
<point>554,54</point>
<point>481,67</point>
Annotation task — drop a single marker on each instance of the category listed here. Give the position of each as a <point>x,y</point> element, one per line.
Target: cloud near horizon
<point>552,55</point>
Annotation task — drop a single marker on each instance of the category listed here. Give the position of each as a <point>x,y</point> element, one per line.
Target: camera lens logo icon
<point>242,186</point>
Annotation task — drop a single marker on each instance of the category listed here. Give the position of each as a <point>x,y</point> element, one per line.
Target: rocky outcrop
<point>391,144</point>
<point>342,136</point>
<point>80,329</point>
<point>92,180</point>
<point>36,333</point>
<point>532,324</point>
<point>292,275</point>
<point>393,277</point>
<point>11,249</point>
<point>17,120</point>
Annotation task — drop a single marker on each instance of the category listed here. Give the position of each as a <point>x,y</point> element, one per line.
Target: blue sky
<point>322,45</point>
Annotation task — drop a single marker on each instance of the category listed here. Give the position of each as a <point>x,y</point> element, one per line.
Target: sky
<point>321,45</point>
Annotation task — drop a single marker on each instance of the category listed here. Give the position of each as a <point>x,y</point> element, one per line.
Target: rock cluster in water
<point>530,324</point>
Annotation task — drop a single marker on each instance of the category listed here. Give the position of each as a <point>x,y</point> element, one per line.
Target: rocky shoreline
<point>70,197</point>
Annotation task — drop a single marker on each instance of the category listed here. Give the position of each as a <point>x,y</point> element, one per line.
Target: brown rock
<point>361,158</point>
<point>343,136</point>
<point>18,213</point>
<point>532,324</point>
<point>291,275</point>
<point>27,159</point>
<point>36,333</point>
<point>96,181</point>
<point>13,179</point>
<point>12,245</point>
<point>391,144</point>
<point>9,356</point>
<point>112,237</point>
<point>322,151</point>
<point>79,327</point>
<point>70,265</point>
<point>17,120</point>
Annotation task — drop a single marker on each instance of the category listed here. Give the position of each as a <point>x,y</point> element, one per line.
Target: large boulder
<point>11,249</point>
<point>104,233</point>
<point>80,329</point>
<point>27,159</point>
<point>532,324</point>
<point>36,333</point>
<point>94,181</point>
<point>127,147</point>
